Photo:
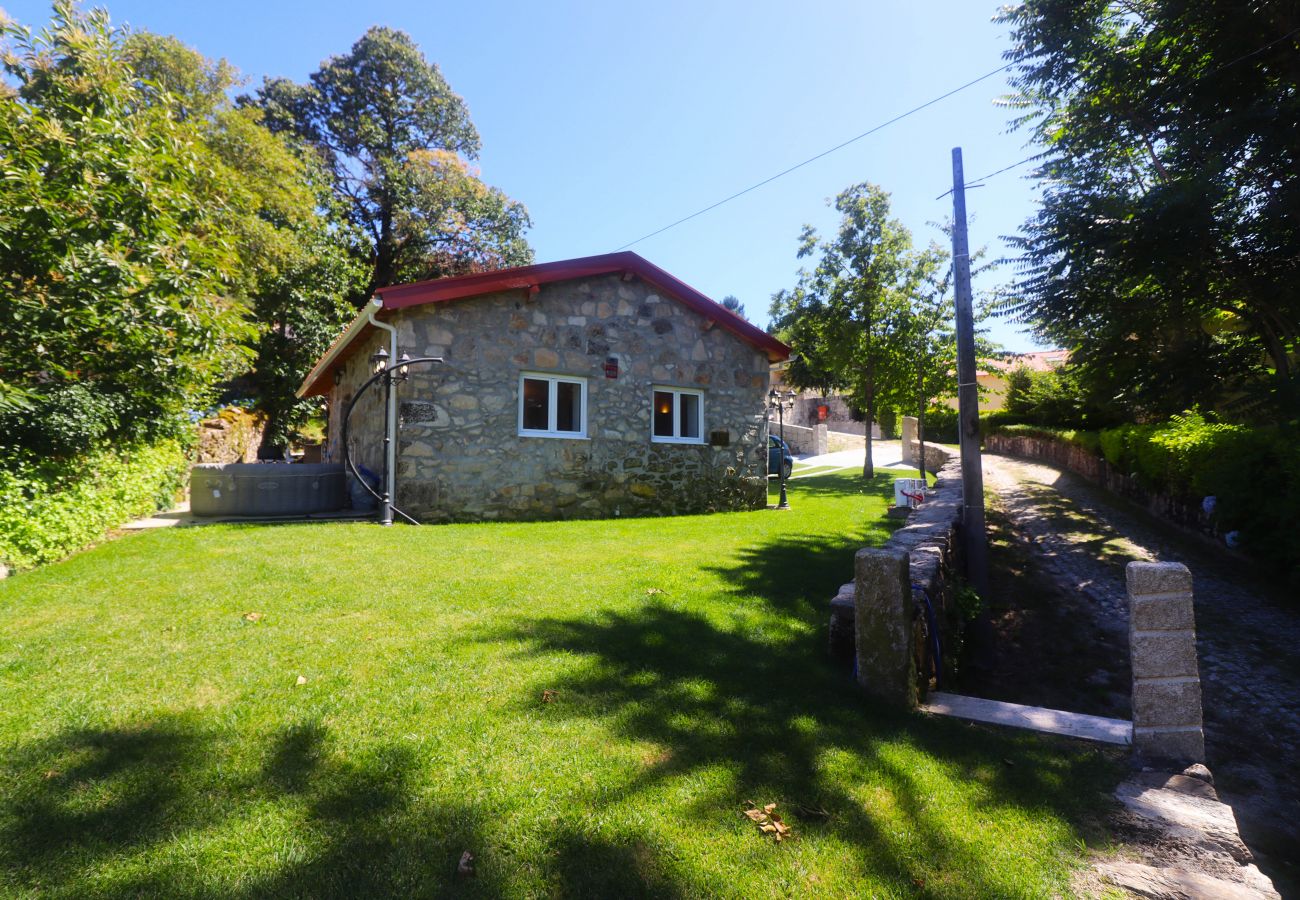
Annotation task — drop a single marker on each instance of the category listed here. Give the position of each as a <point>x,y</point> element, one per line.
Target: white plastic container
<point>908,492</point>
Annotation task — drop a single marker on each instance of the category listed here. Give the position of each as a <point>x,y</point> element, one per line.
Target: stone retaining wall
<point>231,436</point>
<point>1184,512</point>
<point>801,440</point>
<point>935,455</point>
<point>880,616</point>
<point>840,440</point>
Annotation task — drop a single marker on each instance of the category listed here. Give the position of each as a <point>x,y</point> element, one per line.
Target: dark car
<point>778,455</point>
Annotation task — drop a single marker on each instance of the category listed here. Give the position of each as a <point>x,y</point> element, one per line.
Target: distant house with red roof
<point>992,375</point>
<point>601,386</point>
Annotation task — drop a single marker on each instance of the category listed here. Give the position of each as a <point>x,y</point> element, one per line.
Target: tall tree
<point>298,272</point>
<point>396,139</point>
<point>1164,251</point>
<point>846,314</point>
<point>117,249</point>
<point>928,332</point>
<point>732,303</point>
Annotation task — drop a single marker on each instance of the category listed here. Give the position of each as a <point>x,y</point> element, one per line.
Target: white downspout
<point>390,462</point>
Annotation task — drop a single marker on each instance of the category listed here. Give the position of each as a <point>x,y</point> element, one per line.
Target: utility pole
<point>972,473</point>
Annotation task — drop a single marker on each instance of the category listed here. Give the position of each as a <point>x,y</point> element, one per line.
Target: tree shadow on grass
<point>768,709</point>
<point>90,810</point>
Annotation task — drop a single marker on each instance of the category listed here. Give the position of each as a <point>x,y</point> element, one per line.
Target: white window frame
<point>677,392</point>
<point>552,396</point>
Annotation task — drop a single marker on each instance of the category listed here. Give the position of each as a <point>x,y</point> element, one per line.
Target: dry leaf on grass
<point>252,616</point>
<point>302,679</point>
<point>768,821</point>
<point>548,695</point>
<point>465,868</point>
<point>650,592</point>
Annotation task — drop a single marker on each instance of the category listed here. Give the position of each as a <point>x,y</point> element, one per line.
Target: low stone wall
<point>802,441</point>
<point>935,455</point>
<point>1183,512</point>
<point>842,440</point>
<point>231,436</point>
<point>880,617</point>
<point>819,439</point>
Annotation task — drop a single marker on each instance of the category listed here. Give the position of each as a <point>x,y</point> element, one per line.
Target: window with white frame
<point>552,405</point>
<point>678,416</point>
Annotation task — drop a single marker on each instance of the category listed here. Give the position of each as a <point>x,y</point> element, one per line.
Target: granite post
<point>1162,651</point>
<point>883,624</point>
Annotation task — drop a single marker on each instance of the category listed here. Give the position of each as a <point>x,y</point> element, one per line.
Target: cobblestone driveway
<point>1248,638</point>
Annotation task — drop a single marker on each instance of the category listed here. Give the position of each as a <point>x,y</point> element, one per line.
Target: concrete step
<point>1033,718</point>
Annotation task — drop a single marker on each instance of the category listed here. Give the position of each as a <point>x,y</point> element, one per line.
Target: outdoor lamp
<point>403,370</point>
<point>379,359</point>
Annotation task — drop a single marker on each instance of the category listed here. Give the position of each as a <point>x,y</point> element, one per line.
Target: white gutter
<point>390,461</point>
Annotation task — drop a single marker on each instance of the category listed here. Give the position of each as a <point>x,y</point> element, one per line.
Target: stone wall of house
<point>366,426</point>
<point>461,456</point>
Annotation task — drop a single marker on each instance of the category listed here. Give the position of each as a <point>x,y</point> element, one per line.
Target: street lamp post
<point>391,377</point>
<point>780,400</point>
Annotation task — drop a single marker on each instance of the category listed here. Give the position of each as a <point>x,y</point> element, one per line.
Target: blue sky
<point>610,120</point>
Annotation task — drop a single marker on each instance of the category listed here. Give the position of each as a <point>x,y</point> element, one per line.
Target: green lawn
<point>154,741</point>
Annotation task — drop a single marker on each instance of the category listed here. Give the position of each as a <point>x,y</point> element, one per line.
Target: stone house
<point>591,387</point>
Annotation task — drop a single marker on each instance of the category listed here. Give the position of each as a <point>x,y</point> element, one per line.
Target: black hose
<point>347,415</point>
<point>932,625</point>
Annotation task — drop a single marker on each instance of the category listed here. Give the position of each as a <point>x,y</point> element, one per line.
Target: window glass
<point>568,406</point>
<point>663,426</point>
<point>536,404</point>
<point>688,408</point>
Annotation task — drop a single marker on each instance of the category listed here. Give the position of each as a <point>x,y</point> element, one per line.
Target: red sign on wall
<point>822,412</point>
<point>611,367</point>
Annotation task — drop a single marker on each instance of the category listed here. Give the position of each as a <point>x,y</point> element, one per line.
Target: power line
<point>1159,97</point>
<point>812,159</point>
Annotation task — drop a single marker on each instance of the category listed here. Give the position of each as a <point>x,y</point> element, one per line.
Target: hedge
<point>1253,474</point>
<point>51,508</point>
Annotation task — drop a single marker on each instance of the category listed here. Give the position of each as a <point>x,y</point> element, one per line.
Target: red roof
<point>530,278</point>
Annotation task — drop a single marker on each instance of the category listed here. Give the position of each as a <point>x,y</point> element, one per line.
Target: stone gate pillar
<point>1162,652</point>
<point>883,624</point>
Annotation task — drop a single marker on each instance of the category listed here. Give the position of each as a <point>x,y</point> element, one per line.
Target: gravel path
<point>1248,637</point>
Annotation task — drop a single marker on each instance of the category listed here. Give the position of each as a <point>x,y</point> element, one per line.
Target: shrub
<point>50,508</point>
<point>942,425</point>
<point>888,424</point>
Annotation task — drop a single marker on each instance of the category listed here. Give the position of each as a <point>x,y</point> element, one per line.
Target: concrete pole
<point>972,473</point>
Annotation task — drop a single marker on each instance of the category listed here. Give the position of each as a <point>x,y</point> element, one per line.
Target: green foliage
<point>1055,398</point>
<point>299,269</point>
<point>888,421</point>
<point>732,302</point>
<point>116,242</point>
<point>395,138</point>
<point>1088,440</point>
<point>1163,253</point>
<point>50,508</point>
<point>1253,473</point>
<point>942,425</point>
<point>849,320</point>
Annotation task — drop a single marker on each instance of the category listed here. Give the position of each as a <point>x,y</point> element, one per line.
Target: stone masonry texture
<point>883,623</point>
<point>460,456</point>
<point>1162,653</point>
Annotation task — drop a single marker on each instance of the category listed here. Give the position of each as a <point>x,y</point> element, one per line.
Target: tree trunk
<point>868,467</point>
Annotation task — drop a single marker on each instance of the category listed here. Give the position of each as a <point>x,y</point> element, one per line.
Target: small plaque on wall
<point>611,367</point>
<point>720,438</point>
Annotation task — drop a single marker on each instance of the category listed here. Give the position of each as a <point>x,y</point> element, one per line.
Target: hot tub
<point>266,489</point>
